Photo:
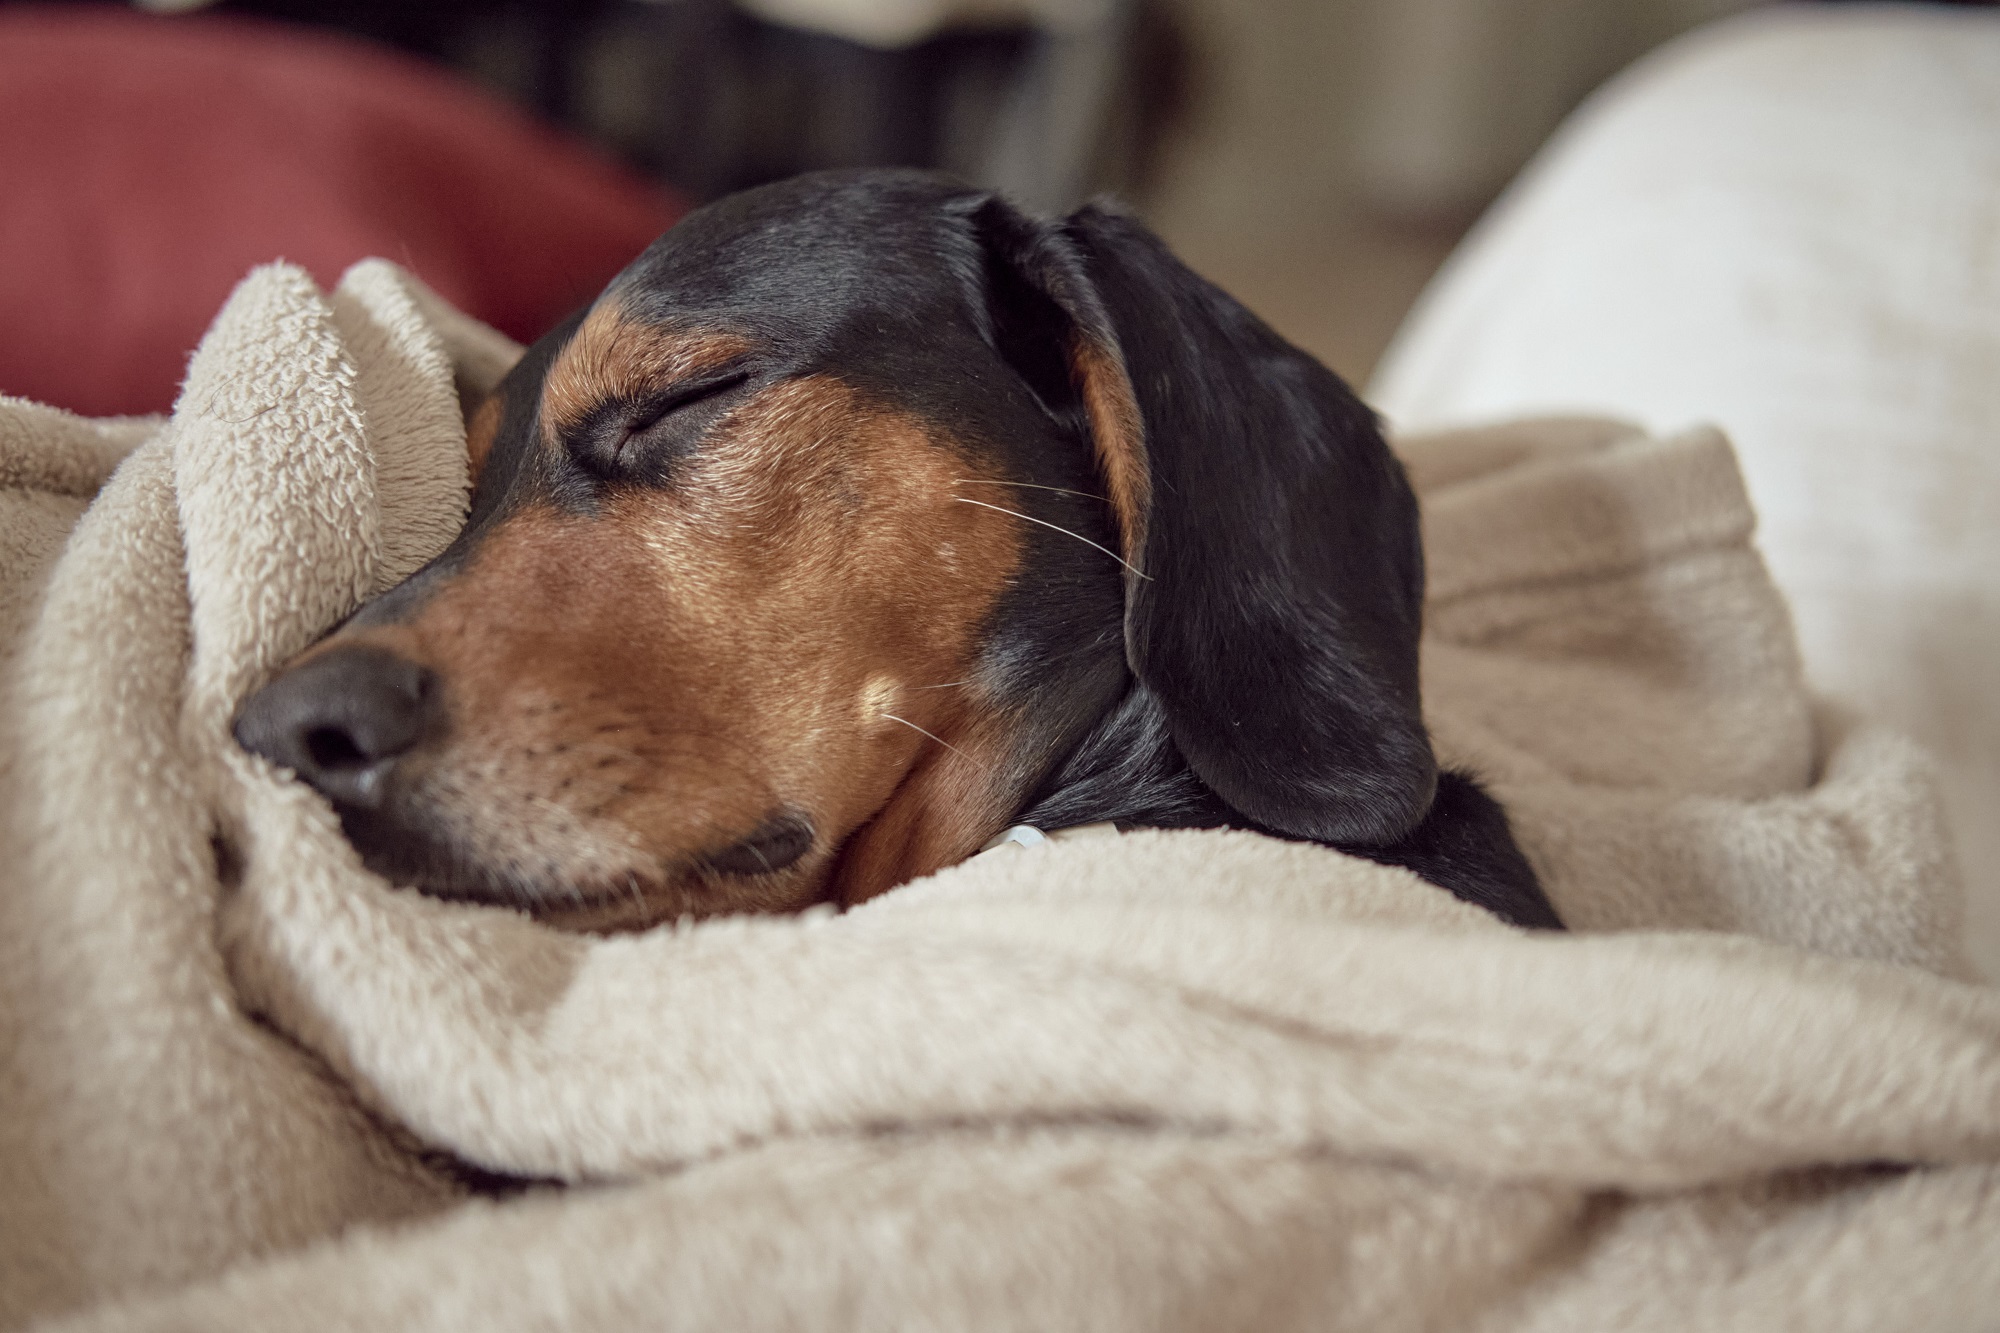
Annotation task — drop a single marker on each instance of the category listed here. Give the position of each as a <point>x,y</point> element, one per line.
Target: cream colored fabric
<point>149,1131</point>
<point>1155,1081</point>
<point>1788,224</point>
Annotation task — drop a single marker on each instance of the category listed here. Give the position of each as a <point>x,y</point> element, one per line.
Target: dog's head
<point>801,559</point>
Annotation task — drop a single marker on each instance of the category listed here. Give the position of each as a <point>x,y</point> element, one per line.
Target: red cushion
<point>148,163</point>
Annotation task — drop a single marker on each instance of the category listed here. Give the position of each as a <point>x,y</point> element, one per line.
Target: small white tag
<point>1021,835</point>
<point>1027,835</point>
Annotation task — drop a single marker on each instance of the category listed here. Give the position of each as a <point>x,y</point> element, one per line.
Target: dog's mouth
<point>583,877</point>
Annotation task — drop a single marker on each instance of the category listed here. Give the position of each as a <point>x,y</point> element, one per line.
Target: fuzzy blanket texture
<point>1154,1081</point>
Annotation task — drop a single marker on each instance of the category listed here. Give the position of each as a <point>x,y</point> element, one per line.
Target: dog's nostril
<point>343,720</point>
<point>331,747</point>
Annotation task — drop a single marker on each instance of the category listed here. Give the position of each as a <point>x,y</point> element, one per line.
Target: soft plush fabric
<point>1789,225</point>
<point>149,163</point>
<point>1191,1080</point>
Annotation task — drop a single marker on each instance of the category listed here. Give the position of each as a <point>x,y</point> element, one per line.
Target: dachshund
<point>862,516</point>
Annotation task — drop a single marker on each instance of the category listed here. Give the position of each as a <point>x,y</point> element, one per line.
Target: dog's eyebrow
<point>616,357</point>
<point>480,431</point>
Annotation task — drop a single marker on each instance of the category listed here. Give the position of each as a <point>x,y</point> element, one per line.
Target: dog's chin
<point>591,899</point>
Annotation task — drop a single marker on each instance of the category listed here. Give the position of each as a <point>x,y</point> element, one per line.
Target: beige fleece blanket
<point>1187,1081</point>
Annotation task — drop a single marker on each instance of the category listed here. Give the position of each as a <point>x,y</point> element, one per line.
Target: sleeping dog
<point>861,517</point>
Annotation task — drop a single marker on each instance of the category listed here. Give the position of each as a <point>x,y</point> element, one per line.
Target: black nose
<point>342,720</point>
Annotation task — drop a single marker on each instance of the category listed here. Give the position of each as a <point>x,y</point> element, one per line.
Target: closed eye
<point>683,396</point>
<point>640,441</point>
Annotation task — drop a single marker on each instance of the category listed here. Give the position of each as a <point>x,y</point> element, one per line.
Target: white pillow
<point>1787,224</point>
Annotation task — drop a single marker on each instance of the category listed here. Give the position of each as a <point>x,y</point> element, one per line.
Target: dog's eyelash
<point>649,416</point>
<point>684,395</point>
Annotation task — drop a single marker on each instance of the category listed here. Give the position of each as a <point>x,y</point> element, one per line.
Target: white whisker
<point>939,739</point>
<point>1065,531</point>
<point>948,685</point>
<point>1026,485</point>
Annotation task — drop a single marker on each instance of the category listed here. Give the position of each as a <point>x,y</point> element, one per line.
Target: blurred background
<point>1318,158</point>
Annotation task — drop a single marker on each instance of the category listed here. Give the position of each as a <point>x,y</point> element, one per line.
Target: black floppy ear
<point>1278,587</point>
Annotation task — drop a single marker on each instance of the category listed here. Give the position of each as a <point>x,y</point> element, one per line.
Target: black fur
<point>1273,644</point>
<point>1262,674</point>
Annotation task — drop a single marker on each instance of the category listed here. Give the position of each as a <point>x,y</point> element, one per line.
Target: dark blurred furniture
<point>715,99</point>
<point>150,162</point>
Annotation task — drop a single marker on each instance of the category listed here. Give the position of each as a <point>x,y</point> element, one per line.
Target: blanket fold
<point>1161,1080</point>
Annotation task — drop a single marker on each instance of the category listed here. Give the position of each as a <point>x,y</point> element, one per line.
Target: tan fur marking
<point>632,689</point>
<point>1118,435</point>
<point>943,810</point>
<point>480,429</point>
<point>612,357</point>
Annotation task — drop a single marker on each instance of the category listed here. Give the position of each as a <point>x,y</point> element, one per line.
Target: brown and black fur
<point>861,517</point>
